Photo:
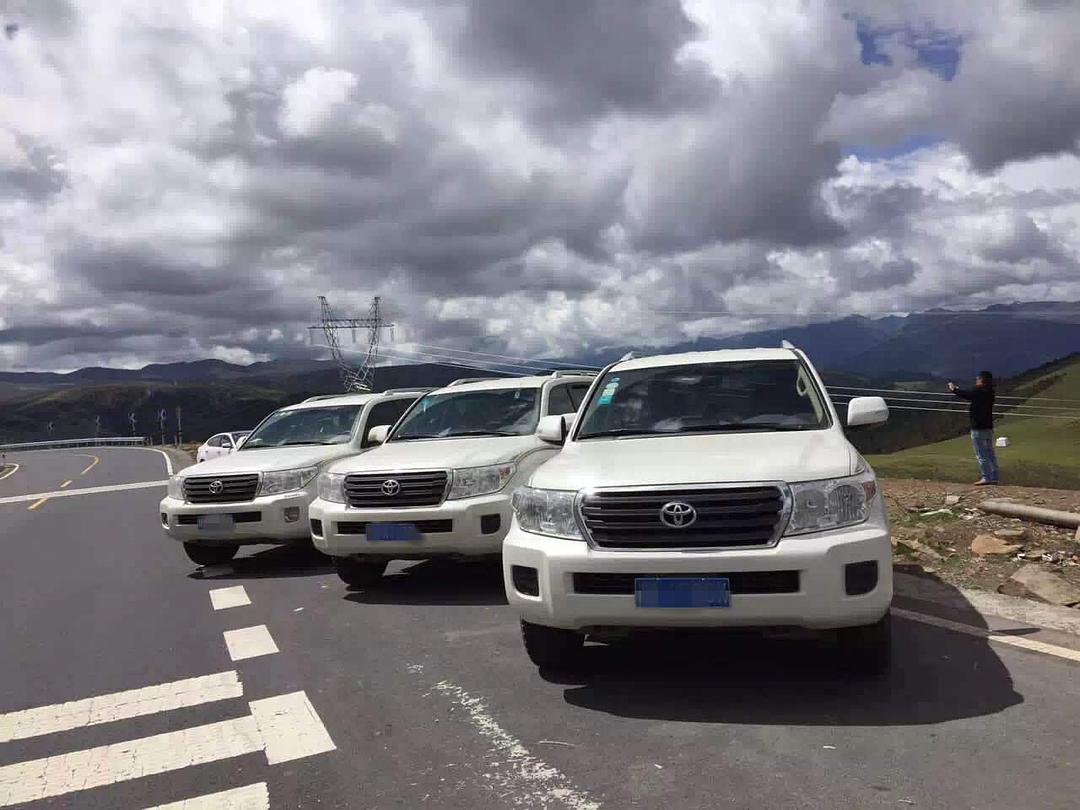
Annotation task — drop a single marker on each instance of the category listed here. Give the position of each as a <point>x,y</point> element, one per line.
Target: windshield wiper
<point>625,432</point>
<point>733,426</point>
<point>297,444</point>
<point>482,433</point>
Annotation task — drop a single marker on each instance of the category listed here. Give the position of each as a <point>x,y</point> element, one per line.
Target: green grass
<point>1043,452</point>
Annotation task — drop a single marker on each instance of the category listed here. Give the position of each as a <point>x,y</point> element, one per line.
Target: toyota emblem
<point>677,514</point>
<point>216,487</point>
<point>390,487</point>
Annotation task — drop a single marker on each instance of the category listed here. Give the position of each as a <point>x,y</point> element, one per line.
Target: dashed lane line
<point>36,504</point>
<point>249,642</point>
<point>284,728</point>
<point>91,465</point>
<point>223,598</point>
<point>1020,642</point>
<point>124,705</point>
<point>11,472</point>
<point>67,493</point>
<point>249,797</point>
<point>65,485</point>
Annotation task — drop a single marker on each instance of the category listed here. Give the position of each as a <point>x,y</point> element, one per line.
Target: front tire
<point>209,555</point>
<point>866,650</point>
<point>359,573</point>
<point>551,647</point>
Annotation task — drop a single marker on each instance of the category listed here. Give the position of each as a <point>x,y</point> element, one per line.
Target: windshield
<point>705,398</point>
<point>499,412</point>
<point>331,425</point>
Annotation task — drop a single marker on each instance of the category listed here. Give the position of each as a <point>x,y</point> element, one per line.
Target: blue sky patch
<point>935,50</point>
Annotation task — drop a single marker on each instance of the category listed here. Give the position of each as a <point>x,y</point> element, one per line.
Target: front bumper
<point>467,527</point>
<point>816,599</point>
<point>261,520</point>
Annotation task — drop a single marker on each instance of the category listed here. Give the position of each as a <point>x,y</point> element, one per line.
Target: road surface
<point>417,693</point>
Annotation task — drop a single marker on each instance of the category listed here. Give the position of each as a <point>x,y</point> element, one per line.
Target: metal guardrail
<point>104,441</point>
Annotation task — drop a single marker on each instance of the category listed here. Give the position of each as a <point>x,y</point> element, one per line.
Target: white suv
<point>441,482</point>
<point>709,489</point>
<point>260,493</point>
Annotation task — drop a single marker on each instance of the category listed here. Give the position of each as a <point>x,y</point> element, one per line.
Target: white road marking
<point>249,797</point>
<point>67,493</point>
<point>91,465</point>
<point>12,471</point>
<point>168,459</point>
<point>249,642</point>
<point>222,598</point>
<point>284,728</point>
<point>1020,642</point>
<point>290,727</point>
<point>539,784</point>
<point>92,711</point>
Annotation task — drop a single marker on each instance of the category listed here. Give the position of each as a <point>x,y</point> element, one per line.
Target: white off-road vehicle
<point>709,489</point>
<point>441,482</point>
<point>260,492</point>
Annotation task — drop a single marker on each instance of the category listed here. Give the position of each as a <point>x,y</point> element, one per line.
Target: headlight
<point>332,487</point>
<point>546,511</point>
<point>472,481</point>
<point>821,505</point>
<point>278,481</point>
<point>176,487</point>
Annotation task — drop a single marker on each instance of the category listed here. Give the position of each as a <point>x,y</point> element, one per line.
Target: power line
<point>939,394</point>
<point>544,363</point>
<point>442,362</point>
<point>965,413</point>
<point>495,365</point>
<point>1018,408</point>
<point>353,379</point>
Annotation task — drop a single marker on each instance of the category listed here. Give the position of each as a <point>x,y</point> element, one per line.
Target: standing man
<point>981,412</point>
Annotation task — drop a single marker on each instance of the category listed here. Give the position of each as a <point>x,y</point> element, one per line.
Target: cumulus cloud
<point>181,180</point>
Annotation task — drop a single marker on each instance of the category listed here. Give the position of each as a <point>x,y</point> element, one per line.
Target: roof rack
<point>465,380</point>
<point>414,390</point>
<point>786,344</point>
<point>574,372</point>
<point>324,396</point>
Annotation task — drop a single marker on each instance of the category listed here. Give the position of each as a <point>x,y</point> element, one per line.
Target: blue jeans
<point>983,441</point>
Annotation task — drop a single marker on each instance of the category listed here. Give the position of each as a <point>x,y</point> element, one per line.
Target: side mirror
<point>552,429</point>
<point>225,443</point>
<point>377,435</point>
<point>867,411</point>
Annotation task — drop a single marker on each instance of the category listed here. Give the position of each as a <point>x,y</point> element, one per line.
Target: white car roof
<point>349,399</point>
<point>510,383</point>
<point>718,356</point>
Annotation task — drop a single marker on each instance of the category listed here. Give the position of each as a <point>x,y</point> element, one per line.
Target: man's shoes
<point>982,482</point>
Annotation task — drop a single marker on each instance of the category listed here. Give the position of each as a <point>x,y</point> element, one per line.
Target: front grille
<point>725,517</point>
<point>238,517</point>
<point>742,582</point>
<point>422,526</point>
<point>413,489</point>
<point>234,488</point>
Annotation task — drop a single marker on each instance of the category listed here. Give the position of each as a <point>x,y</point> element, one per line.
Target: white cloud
<point>312,101</point>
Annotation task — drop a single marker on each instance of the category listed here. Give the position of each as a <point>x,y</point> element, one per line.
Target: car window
<point>226,441</point>
<point>385,413</point>
<point>578,391</point>
<point>489,412</point>
<point>705,398</point>
<point>330,425</point>
<point>559,401</point>
<point>214,441</point>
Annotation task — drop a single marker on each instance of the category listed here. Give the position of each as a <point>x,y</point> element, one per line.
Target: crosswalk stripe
<point>222,598</point>
<point>249,797</point>
<point>284,728</point>
<point>68,493</point>
<point>249,642</point>
<point>21,725</point>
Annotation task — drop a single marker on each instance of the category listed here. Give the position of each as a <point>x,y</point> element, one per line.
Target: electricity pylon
<point>362,377</point>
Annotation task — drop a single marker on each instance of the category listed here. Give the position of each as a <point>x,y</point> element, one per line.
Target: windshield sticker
<point>609,391</point>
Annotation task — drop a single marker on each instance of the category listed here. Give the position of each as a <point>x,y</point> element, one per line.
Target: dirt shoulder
<point>933,531</point>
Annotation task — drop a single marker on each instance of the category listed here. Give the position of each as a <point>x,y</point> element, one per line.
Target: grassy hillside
<point>1043,452</point>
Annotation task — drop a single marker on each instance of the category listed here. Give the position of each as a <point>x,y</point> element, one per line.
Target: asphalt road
<point>423,688</point>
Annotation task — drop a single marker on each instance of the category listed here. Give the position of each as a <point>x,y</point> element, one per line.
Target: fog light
<point>526,580</point>
<point>316,527</point>
<point>860,577</point>
<point>292,514</point>
<point>489,524</point>
<point>164,520</point>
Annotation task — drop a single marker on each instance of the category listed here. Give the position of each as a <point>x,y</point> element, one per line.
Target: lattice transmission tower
<point>353,378</point>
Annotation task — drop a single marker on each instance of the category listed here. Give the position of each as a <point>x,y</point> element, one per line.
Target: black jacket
<point>981,409</point>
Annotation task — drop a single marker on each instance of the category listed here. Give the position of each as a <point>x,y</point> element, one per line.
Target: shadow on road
<point>277,562</point>
<point>437,582</point>
<point>936,675</point>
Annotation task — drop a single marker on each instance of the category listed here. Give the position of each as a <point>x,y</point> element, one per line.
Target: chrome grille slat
<point>726,517</point>
<point>427,488</point>
<point>234,488</point>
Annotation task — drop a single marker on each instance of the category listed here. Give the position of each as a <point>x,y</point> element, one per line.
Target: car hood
<point>440,454</point>
<point>271,458</point>
<point>697,459</point>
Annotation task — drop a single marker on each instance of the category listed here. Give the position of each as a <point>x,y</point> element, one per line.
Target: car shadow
<point>937,674</point>
<point>436,582</point>
<point>277,562</point>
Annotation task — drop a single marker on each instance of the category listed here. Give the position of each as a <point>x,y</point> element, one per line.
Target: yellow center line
<point>91,466</point>
<point>36,504</point>
<point>12,471</point>
<point>65,484</point>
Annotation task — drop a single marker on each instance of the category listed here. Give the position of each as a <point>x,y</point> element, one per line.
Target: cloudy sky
<point>180,179</point>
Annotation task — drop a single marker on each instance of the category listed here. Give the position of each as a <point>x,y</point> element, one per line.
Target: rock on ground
<point>1033,580</point>
<point>989,544</point>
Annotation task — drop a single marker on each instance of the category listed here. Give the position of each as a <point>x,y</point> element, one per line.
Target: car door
<point>213,446</point>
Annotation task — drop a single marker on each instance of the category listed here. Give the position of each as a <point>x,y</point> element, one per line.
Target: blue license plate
<point>215,523</point>
<point>378,532</point>
<point>682,592</point>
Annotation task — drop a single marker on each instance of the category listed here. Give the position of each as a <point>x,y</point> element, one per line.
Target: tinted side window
<point>559,401</point>
<point>214,441</point>
<point>385,413</point>
<point>578,392</point>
